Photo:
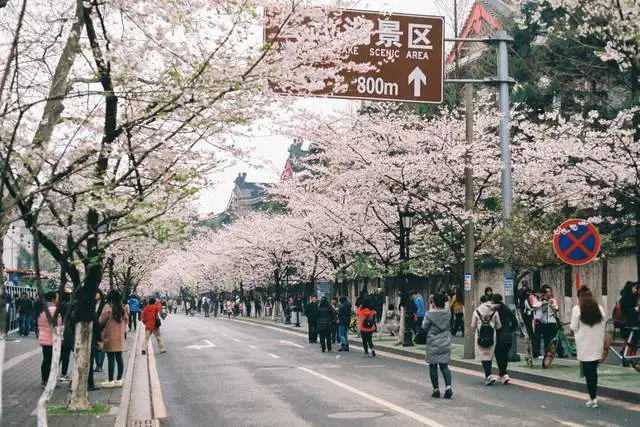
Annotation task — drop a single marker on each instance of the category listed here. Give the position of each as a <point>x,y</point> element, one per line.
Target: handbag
<point>421,337</point>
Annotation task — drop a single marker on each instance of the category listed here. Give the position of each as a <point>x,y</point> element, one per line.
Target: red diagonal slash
<point>577,243</point>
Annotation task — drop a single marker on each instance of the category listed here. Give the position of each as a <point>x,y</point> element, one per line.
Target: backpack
<point>485,332</point>
<point>369,322</point>
<point>619,320</point>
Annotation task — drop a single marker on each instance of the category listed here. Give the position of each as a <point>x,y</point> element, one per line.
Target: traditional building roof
<point>485,18</point>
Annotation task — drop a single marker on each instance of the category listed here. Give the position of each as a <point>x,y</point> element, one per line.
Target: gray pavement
<point>21,389</point>
<point>264,376</point>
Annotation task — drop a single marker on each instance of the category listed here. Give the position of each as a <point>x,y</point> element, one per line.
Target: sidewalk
<point>22,390</point>
<point>615,382</point>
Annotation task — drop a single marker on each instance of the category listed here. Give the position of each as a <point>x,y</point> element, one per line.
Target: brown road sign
<point>407,51</point>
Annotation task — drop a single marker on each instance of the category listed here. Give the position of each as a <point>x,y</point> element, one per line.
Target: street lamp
<point>406,223</point>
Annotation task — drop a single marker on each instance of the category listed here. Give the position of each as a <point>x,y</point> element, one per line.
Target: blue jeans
<point>25,324</point>
<point>99,358</point>
<point>343,336</point>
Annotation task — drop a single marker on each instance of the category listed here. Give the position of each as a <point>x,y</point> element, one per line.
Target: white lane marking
<point>208,344</point>
<point>410,414</point>
<point>291,343</point>
<point>18,359</point>
<point>520,383</point>
<point>569,424</point>
<point>252,346</point>
<point>275,356</point>
<point>236,340</point>
<point>223,334</point>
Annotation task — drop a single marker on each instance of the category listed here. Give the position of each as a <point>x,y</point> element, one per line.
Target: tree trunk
<point>78,396</point>
<point>402,325</point>
<point>3,317</point>
<point>41,409</point>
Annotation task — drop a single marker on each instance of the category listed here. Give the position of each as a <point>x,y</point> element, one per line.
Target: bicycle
<point>559,339</point>
<point>628,353</point>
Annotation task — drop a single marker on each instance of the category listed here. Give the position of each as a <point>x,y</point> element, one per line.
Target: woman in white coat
<point>588,324</point>
<point>486,313</point>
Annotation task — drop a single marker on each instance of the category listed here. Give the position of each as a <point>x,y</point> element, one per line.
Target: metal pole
<point>502,39</point>
<point>469,303</point>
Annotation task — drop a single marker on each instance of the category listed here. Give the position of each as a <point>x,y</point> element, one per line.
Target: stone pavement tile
<point>21,386</point>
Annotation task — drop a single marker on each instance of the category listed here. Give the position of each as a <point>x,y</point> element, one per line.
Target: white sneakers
<point>505,379</point>
<point>112,384</point>
<point>592,403</point>
<point>489,380</point>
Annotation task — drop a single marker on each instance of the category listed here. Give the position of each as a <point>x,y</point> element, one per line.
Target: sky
<point>269,150</point>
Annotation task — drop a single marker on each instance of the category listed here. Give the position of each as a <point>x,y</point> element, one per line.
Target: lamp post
<point>406,222</point>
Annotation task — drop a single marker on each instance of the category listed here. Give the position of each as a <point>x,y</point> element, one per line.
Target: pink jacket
<point>44,331</point>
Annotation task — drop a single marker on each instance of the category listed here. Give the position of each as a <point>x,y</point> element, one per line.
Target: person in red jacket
<point>367,324</point>
<point>150,318</point>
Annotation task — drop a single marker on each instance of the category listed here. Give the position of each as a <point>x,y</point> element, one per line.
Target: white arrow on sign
<point>418,78</point>
<point>209,344</point>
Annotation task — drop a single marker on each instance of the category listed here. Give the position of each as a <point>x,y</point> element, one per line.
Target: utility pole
<point>469,303</point>
<point>502,38</point>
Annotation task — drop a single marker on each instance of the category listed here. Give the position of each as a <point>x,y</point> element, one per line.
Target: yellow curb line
<point>157,402</point>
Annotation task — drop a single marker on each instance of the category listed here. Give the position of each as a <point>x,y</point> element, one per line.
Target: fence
<point>10,291</point>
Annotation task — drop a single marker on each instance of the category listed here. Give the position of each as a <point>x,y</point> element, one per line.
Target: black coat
<point>509,325</point>
<point>326,318</point>
<point>311,311</point>
<point>344,313</point>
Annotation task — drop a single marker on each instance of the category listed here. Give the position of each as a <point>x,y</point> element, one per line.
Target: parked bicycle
<point>628,353</point>
<point>559,339</point>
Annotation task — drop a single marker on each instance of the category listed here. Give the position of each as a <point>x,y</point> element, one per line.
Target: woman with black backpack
<point>504,336</point>
<point>486,321</point>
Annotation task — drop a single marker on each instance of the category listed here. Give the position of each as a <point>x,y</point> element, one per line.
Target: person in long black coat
<point>311,311</point>
<point>326,322</point>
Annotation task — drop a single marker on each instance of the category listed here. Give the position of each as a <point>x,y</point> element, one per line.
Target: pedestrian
<point>100,304</point>
<point>68,336</point>
<point>25,310</point>
<point>504,337</point>
<point>205,307</point>
<point>258,305</point>
<point>113,323</point>
<point>325,323</point>
<point>549,320</point>
<point>151,320</point>
<point>486,322</point>
<point>344,318</point>
<point>45,335</point>
<point>436,324</point>
<point>378,306</point>
<point>391,323</point>
<point>488,291</point>
<point>629,308</point>
<point>420,310</point>
<point>96,347</point>
<point>311,311</point>
<point>588,324</point>
<point>457,309</point>
<point>533,308</point>
<point>367,325</point>
<point>134,308</point>
<point>334,325</point>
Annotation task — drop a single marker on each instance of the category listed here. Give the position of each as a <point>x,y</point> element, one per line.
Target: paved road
<point>262,376</point>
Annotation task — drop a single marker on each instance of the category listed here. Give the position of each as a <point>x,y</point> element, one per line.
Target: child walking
<point>436,323</point>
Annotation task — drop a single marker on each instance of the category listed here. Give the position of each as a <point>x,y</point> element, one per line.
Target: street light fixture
<point>406,223</point>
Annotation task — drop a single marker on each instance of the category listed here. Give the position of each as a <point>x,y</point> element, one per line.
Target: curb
<point>612,393</point>
<point>125,399</point>
<point>158,409</point>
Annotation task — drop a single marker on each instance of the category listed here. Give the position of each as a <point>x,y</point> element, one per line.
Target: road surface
<point>220,372</point>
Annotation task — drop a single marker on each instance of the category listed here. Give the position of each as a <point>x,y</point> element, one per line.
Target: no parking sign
<point>576,242</point>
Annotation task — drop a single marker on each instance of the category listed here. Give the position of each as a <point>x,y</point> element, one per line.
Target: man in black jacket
<point>311,311</point>
<point>344,318</point>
